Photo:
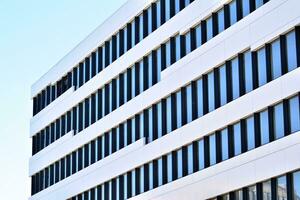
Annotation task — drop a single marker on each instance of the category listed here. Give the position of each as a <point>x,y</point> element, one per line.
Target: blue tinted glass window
<point>258,3</point>
<point>133,82</point>
<point>159,118</point>
<point>151,175</point>
<point>294,114</point>
<point>212,149</point>
<point>224,142</point>
<point>237,139</point>
<point>246,7</point>
<point>178,47</point>
<point>235,78</point>
<point>168,54</point>
<point>201,153</point>
<point>160,172</point>
<point>223,85</point>
<point>276,59</point>
<point>211,92</point>
<point>141,24</point>
<point>177,6</point>
<point>179,163</point>
<point>291,50</point>
<point>264,127</point>
<point>125,38</point>
<point>250,133</point>
<point>150,124</point>
<point>158,64</point>
<point>190,159</point>
<point>133,33</point>
<point>178,109</point>
<point>170,167</point>
<point>209,28</point>
<point>200,97</point>
<point>141,65</point>
<point>149,11</point>
<point>278,121</point>
<point>142,124</point>
<point>248,71</point>
<point>198,36</point>
<point>221,22</point>
<point>188,42</point>
<point>233,14</point>
<point>158,13</point>
<point>262,67</point>
<point>169,115</point>
<point>168,9</point>
<point>150,68</point>
<point>296,184</point>
<point>189,103</point>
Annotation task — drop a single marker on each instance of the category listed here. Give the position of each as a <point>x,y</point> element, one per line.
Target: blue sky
<point>34,35</point>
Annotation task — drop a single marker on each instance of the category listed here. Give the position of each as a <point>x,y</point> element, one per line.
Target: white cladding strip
<point>81,176</point>
<point>143,48</point>
<point>103,32</point>
<point>246,105</point>
<point>262,163</point>
<point>210,55</point>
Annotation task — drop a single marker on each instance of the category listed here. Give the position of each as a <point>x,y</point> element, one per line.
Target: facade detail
<point>174,99</point>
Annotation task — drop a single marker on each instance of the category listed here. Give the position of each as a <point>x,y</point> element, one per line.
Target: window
<point>294,114</point>
<point>188,47</point>
<point>158,18</point>
<point>235,78</point>
<point>246,7</point>
<point>168,53</point>
<point>198,36</point>
<point>211,91</point>
<point>168,9</point>
<point>212,149</point>
<point>281,188</point>
<point>221,22</point>
<point>250,133</point>
<point>267,195</point>
<point>233,13</point>
<point>296,184</point>
<point>278,121</point>
<point>169,115</point>
<point>275,59</point>
<point>209,28</point>
<point>200,97</point>
<point>189,103</point>
<point>291,51</point>
<point>237,139</point>
<point>178,109</point>
<point>223,85</point>
<point>259,3</point>
<point>238,195</point>
<point>201,154</point>
<point>264,127</point>
<point>248,71</point>
<point>252,192</point>
<point>170,167</point>
<point>180,162</point>
<point>224,142</point>
<point>190,159</point>
<point>262,67</point>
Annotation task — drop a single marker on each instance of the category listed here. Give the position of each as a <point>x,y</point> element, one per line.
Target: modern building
<point>174,100</point>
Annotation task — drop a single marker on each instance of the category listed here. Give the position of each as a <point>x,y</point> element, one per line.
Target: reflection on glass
<point>179,163</point>
<point>200,97</point>
<point>296,184</point>
<point>221,22</point>
<point>190,159</point>
<point>209,28</point>
<point>281,188</point>
<point>232,11</point>
<point>267,195</point>
<point>198,36</point>
<point>223,85</point>
<point>201,153</point>
<point>246,7</point>
<point>252,193</point>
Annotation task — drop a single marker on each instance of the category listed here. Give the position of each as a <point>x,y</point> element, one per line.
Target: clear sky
<point>34,35</point>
